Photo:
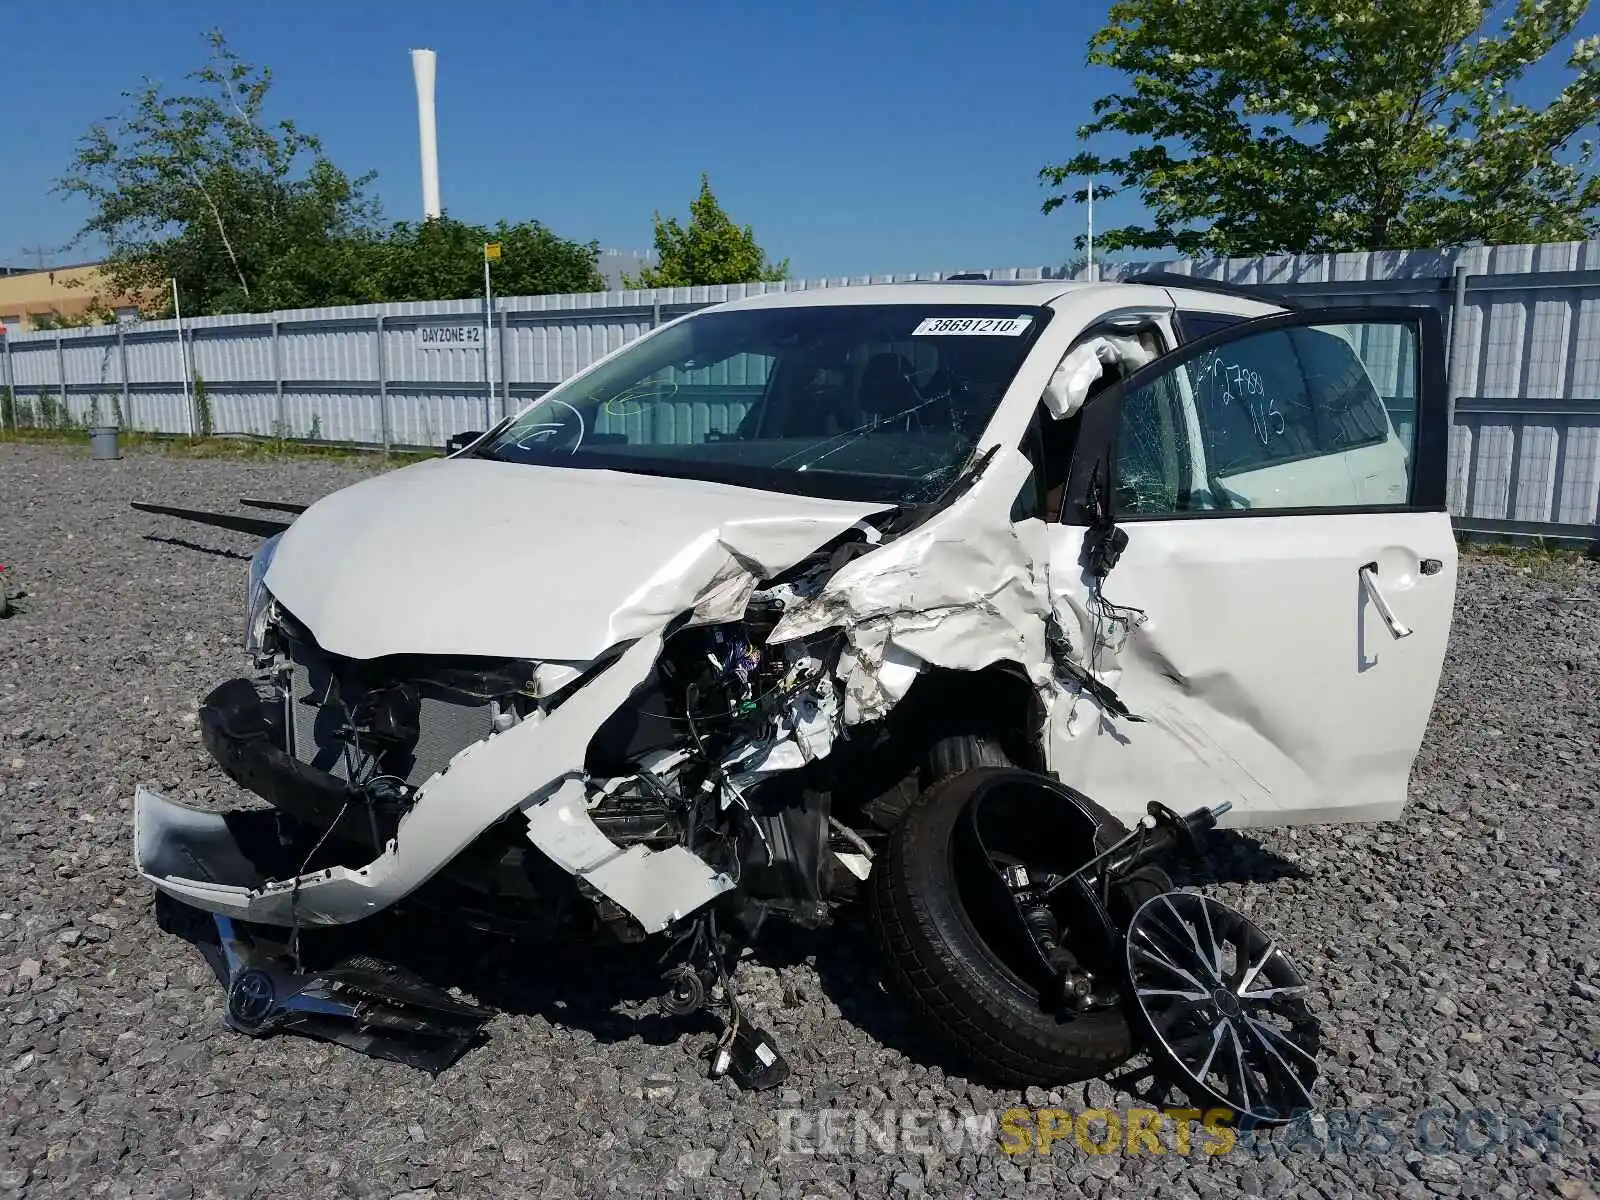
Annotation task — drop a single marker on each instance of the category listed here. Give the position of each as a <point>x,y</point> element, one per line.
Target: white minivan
<point>704,634</point>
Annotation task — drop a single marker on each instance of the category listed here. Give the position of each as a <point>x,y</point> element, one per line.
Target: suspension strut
<point>1031,897</point>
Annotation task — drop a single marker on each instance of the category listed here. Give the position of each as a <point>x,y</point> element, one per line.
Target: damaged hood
<point>474,557</point>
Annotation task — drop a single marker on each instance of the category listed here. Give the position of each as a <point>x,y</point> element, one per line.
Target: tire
<point>953,755</point>
<point>955,984</point>
<point>946,757</point>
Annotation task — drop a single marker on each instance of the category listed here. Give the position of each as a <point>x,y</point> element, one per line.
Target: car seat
<point>886,389</point>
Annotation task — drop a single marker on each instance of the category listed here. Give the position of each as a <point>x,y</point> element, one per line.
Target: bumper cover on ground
<point>360,1002</point>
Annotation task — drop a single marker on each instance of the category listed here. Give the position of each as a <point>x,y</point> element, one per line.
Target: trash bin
<point>103,442</point>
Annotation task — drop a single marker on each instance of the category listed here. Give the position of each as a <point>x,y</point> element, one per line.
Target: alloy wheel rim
<point>1224,1006</point>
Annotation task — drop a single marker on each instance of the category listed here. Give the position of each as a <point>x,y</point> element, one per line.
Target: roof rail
<point>966,275</point>
<point>1245,291</point>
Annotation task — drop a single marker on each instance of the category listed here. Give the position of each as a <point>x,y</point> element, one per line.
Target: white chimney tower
<point>423,64</point>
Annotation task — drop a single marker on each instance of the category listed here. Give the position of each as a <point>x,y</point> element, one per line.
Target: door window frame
<point>1091,480</point>
<point>1130,322</point>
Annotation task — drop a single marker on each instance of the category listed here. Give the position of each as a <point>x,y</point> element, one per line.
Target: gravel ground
<point>1455,956</point>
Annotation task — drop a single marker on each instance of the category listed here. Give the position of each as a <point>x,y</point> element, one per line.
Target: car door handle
<point>1369,580</point>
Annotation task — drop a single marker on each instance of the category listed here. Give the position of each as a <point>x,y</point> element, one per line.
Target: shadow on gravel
<point>593,987</point>
<point>609,991</point>
<point>568,983</point>
<point>572,983</point>
<point>1152,1088</point>
<point>1233,857</point>
<point>188,545</point>
<point>846,959</point>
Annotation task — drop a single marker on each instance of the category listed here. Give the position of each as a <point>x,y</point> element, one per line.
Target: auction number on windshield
<point>972,326</point>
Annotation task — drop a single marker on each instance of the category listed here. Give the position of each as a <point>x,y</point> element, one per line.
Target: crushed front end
<point>661,788</point>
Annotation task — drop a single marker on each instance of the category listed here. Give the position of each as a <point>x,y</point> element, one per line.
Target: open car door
<point>1275,620</point>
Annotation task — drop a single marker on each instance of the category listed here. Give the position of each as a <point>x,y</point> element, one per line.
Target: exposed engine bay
<point>342,747</point>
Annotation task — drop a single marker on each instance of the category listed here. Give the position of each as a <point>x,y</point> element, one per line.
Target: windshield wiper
<point>490,437</point>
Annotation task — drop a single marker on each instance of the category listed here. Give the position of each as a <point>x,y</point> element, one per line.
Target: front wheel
<point>949,961</point>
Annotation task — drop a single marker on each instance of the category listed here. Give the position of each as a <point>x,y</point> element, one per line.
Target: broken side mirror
<point>460,441</point>
<point>1103,545</point>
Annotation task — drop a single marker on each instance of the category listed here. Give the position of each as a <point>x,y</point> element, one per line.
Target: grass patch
<point>1538,555</point>
<point>32,434</point>
<point>218,447</point>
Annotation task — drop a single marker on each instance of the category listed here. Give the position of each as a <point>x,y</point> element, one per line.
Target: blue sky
<point>855,136</point>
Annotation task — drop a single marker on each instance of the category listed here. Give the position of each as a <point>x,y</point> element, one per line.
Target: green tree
<point>251,216</point>
<point>711,250</point>
<point>245,214</point>
<point>443,258</point>
<point>1324,125</point>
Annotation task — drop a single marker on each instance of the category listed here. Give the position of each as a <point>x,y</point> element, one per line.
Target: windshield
<point>854,402</point>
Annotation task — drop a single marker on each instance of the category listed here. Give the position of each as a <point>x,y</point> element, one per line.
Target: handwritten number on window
<point>1241,383</point>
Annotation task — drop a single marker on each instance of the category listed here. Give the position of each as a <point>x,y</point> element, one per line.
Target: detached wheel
<point>950,952</point>
<point>1224,1007</point>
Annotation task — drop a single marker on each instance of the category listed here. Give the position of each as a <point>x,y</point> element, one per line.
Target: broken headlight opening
<point>258,601</point>
<point>711,753</point>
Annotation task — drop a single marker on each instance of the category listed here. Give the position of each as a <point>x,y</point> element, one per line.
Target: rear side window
<point>1336,374</point>
<point>1196,325</point>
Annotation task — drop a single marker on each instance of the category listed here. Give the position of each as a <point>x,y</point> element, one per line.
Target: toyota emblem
<point>252,996</point>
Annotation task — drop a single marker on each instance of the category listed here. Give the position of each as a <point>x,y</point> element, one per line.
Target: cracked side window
<point>1285,418</point>
<point>1153,450</point>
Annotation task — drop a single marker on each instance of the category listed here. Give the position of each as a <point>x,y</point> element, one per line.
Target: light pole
<point>1092,275</point>
<point>491,252</point>
<point>183,356</point>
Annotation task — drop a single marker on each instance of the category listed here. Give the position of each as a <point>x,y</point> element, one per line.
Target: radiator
<point>445,723</point>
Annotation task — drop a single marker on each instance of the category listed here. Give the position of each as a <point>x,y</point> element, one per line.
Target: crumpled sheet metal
<point>805,733</point>
<point>959,592</point>
<point>1189,733</point>
<point>1131,657</point>
<point>714,575</point>
<point>1069,385</point>
<point>656,886</point>
<point>1207,729</point>
<point>483,783</point>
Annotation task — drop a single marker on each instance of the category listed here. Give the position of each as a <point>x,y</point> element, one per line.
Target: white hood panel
<point>470,556</point>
